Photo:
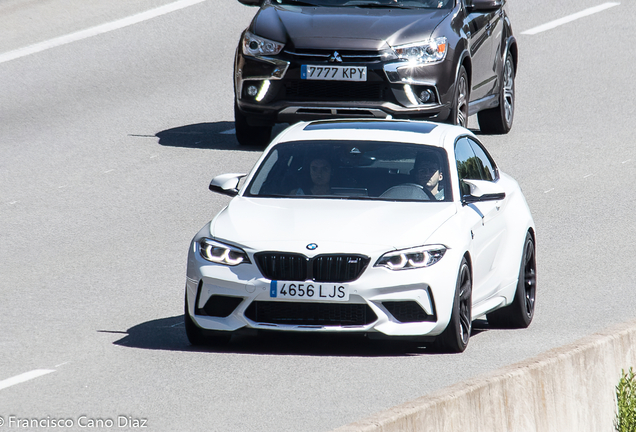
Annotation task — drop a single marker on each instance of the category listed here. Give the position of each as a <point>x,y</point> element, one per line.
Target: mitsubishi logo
<point>335,57</point>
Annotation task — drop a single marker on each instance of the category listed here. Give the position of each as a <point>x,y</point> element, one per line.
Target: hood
<point>346,27</point>
<point>337,226</point>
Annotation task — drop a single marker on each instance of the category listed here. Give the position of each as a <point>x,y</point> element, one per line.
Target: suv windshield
<point>353,170</point>
<point>428,4</point>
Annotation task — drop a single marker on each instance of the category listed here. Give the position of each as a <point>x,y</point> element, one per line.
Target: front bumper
<point>382,303</point>
<point>270,90</point>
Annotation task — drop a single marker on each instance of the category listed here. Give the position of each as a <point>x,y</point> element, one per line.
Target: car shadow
<point>214,136</point>
<point>169,334</point>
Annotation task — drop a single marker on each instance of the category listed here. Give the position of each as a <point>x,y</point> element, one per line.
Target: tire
<point>246,135</point>
<point>499,120</point>
<point>200,337</point>
<point>519,314</point>
<point>459,111</point>
<point>457,334</point>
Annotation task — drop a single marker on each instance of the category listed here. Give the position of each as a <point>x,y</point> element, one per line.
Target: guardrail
<point>570,388</point>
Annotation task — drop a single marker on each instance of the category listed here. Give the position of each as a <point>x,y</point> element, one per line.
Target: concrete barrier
<point>571,388</point>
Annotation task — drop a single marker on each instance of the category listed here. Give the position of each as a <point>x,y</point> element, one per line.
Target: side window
<point>467,167</point>
<point>486,164</point>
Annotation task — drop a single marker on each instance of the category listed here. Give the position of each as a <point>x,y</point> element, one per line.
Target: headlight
<point>221,253</point>
<point>430,51</point>
<point>418,257</point>
<point>257,46</point>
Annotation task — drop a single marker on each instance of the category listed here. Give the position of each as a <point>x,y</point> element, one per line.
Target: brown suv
<point>442,60</point>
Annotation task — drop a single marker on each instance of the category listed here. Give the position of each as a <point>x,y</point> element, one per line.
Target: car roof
<point>388,130</point>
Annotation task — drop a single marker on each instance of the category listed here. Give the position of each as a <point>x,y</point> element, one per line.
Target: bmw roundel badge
<point>312,246</point>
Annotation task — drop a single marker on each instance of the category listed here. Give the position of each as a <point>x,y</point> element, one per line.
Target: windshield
<point>427,4</point>
<point>353,170</point>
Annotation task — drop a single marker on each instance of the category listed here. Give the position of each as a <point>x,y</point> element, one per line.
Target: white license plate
<point>309,291</point>
<point>333,73</point>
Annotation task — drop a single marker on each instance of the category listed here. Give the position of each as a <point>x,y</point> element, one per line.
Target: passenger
<point>320,175</point>
<point>428,173</point>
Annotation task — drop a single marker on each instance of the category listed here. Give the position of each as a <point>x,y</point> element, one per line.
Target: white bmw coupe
<point>388,228</point>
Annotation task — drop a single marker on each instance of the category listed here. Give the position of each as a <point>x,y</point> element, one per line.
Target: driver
<point>320,175</point>
<point>428,173</point>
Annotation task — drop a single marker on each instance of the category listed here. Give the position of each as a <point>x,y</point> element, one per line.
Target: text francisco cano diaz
<point>82,421</point>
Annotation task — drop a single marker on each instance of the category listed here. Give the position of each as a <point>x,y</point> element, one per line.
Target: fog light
<point>252,90</point>
<point>263,91</point>
<point>426,96</point>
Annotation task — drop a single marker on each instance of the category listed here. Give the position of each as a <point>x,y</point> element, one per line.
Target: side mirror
<point>226,184</point>
<point>482,5</point>
<point>251,2</point>
<point>481,190</point>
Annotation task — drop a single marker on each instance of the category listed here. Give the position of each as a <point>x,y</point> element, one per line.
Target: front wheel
<point>455,338</point>
<point>498,120</point>
<point>519,314</point>
<point>248,135</point>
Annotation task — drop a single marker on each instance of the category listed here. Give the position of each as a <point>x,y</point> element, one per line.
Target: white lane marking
<point>228,132</point>
<point>570,18</point>
<point>549,190</point>
<point>589,175</point>
<point>24,377</point>
<point>109,171</point>
<point>628,160</point>
<point>93,31</point>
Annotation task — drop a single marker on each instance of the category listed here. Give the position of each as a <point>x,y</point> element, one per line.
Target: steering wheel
<point>411,191</point>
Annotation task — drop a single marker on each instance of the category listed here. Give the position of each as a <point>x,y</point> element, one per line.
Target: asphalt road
<point>107,146</point>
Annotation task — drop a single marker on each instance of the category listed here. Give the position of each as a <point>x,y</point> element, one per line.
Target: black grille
<point>324,314</point>
<point>220,306</point>
<point>335,90</point>
<point>322,268</point>
<point>282,266</point>
<point>338,268</point>
<point>347,56</point>
<point>407,311</point>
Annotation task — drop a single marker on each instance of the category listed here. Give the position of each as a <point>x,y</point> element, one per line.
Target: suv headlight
<point>430,51</point>
<point>220,253</point>
<point>257,46</point>
<point>417,257</point>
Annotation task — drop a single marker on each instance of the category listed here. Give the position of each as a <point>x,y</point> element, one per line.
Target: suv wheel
<point>247,135</point>
<point>498,120</point>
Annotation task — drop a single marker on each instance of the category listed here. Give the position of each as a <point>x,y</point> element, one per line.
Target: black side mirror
<point>251,2</point>
<point>482,5</point>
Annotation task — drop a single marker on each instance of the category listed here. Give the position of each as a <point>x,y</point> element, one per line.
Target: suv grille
<point>324,314</point>
<point>335,90</point>
<point>347,56</point>
<point>322,268</point>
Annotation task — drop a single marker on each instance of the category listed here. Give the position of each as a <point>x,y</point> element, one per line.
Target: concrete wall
<point>571,388</point>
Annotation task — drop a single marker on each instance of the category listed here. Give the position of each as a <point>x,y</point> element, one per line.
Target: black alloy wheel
<point>247,135</point>
<point>499,120</point>
<point>519,314</point>
<point>200,337</point>
<point>459,112</point>
<point>457,334</point>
